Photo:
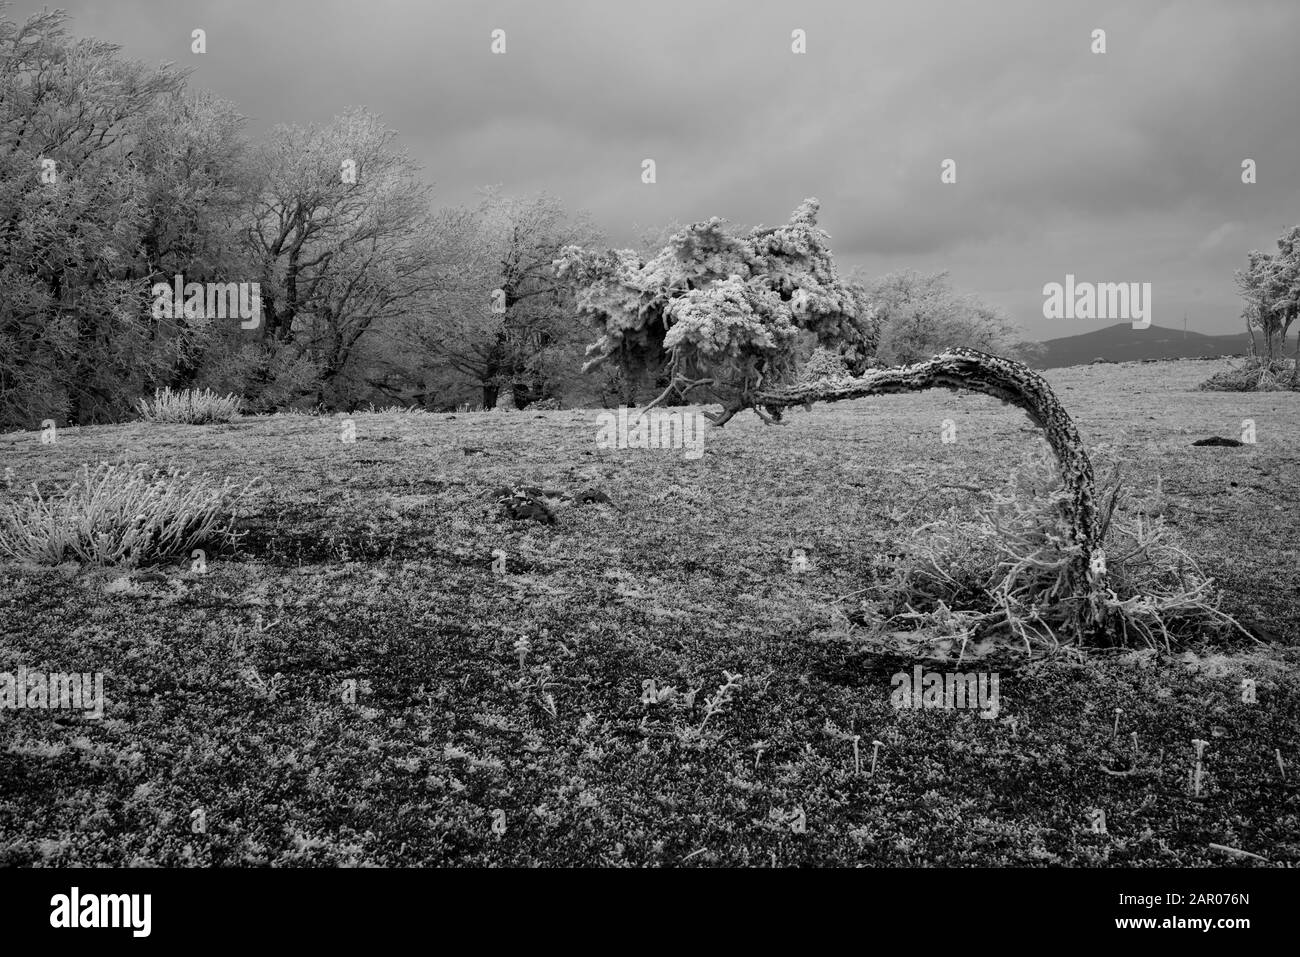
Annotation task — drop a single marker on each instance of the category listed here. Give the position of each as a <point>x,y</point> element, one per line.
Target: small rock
<point>594,495</point>
<point>525,502</point>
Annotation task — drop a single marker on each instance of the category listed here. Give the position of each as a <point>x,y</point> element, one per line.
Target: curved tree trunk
<point>1003,379</point>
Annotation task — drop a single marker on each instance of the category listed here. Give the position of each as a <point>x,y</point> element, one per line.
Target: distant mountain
<point>1123,343</point>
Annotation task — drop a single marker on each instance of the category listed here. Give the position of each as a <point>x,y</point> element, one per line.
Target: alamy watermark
<point>40,690</point>
<point>208,300</point>
<point>75,909</point>
<point>921,689</point>
<point>1102,300</point>
<point>656,429</point>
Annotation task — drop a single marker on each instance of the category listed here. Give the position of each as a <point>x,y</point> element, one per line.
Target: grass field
<point>227,739</point>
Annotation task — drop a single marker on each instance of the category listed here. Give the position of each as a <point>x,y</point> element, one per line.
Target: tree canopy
<point>721,311</point>
<point>1270,284</point>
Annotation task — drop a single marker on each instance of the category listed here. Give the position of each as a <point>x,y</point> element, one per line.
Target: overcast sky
<point>1122,167</point>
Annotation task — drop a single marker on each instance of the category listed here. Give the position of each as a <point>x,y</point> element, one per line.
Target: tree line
<point>116,178</point>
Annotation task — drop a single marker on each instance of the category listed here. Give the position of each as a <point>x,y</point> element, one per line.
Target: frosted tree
<point>345,241</point>
<point>527,344</point>
<point>1261,284</point>
<point>724,315</point>
<point>1270,285</point>
<point>921,314</point>
<point>113,176</point>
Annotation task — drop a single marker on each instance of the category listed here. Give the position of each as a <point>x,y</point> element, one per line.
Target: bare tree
<point>508,323</point>
<point>345,237</point>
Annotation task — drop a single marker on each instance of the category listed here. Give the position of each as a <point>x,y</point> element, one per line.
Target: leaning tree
<point>723,313</point>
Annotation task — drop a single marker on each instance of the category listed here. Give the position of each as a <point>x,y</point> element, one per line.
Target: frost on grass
<point>119,514</point>
<point>189,407</point>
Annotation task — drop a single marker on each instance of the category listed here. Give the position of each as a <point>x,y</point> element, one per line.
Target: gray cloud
<point>1117,167</point>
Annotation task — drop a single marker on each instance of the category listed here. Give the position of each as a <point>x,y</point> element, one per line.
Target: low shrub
<point>373,409</point>
<point>1256,375</point>
<point>824,364</point>
<point>189,407</point>
<point>1000,577</point>
<point>119,514</point>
